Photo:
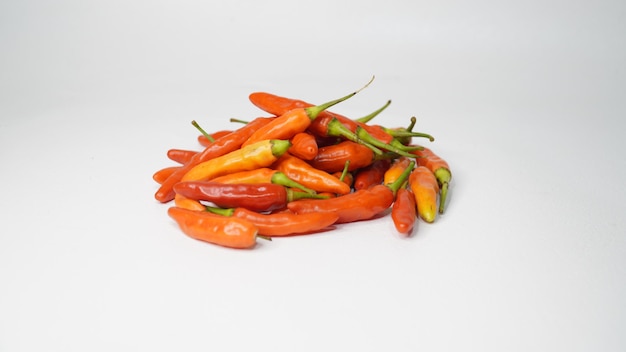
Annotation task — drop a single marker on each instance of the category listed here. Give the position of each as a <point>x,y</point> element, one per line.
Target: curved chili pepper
<point>284,223</point>
<point>425,188</point>
<point>162,175</point>
<point>441,170</point>
<point>304,146</point>
<point>216,229</point>
<point>260,197</point>
<point>260,154</point>
<point>333,158</point>
<point>221,146</point>
<point>262,175</point>
<point>404,210</point>
<point>307,175</point>
<point>294,121</point>
<point>363,204</point>
<point>181,156</point>
<point>372,174</point>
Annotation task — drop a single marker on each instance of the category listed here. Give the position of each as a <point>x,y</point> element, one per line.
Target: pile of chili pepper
<point>301,169</point>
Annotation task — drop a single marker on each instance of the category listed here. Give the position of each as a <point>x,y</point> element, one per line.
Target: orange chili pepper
<point>363,204</point>
<point>294,121</point>
<point>333,158</point>
<point>425,188</point>
<point>441,170</point>
<point>262,175</point>
<point>395,170</point>
<point>162,175</point>
<point>260,154</point>
<point>404,210</point>
<point>221,146</point>
<point>307,175</point>
<point>181,156</point>
<point>372,174</point>
<point>216,229</point>
<point>283,223</point>
<point>304,146</point>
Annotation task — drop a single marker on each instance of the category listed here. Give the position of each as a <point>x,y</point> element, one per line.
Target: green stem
<point>395,185</point>
<point>344,172</point>
<point>220,211</point>
<point>314,111</point>
<point>232,119</point>
<point>365,136</point>
<point>204,133</point>
<point>443,176</point>
<point>337,129</point>
<point>280,146</point>
<point>367,118</point>
<point>295,195</point>
<point>282,179</point>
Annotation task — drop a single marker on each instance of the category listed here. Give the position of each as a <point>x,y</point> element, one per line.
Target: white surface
<point>525,98</point>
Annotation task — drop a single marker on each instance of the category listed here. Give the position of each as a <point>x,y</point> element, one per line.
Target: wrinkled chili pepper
<point>216,229</point>
<point>425,189</point>
<point>404,211</point>
<point>284,223</point>
<point>221,146</point>
<point>260,154</point>
<point>363,204</point>
<point>333,158</point>
<point>259,197</point>
<point>262,175</point>
<point>372,174</point>
<point>307,175</point>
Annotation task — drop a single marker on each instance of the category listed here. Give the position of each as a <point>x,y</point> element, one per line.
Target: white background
<point>525,100</point>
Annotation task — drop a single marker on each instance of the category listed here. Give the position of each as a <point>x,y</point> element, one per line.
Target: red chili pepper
<point>304,146</point>
<point>333,158</point>
<point>284,223</point>
<point>360,205</point>
<point>216,229</point>
<point>307,175</point>
<point>372,174</point>
<point>221,146</point>
<point>404,210</point>
<point>181,156</point>
<point>254,196</point>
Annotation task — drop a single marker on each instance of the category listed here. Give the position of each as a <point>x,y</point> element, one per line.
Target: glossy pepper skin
<point>333,158</point>
<point>253,196</point>
<point>360,205</point>
<point>223,145</point>
<point>259,197</point>
<point>425,188</point>
<point>363,204</point>
<point>404,211</point>
<point>309,176</point>
<point>372,174</point>
<point>284,223</point>
<point>216,229</point>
